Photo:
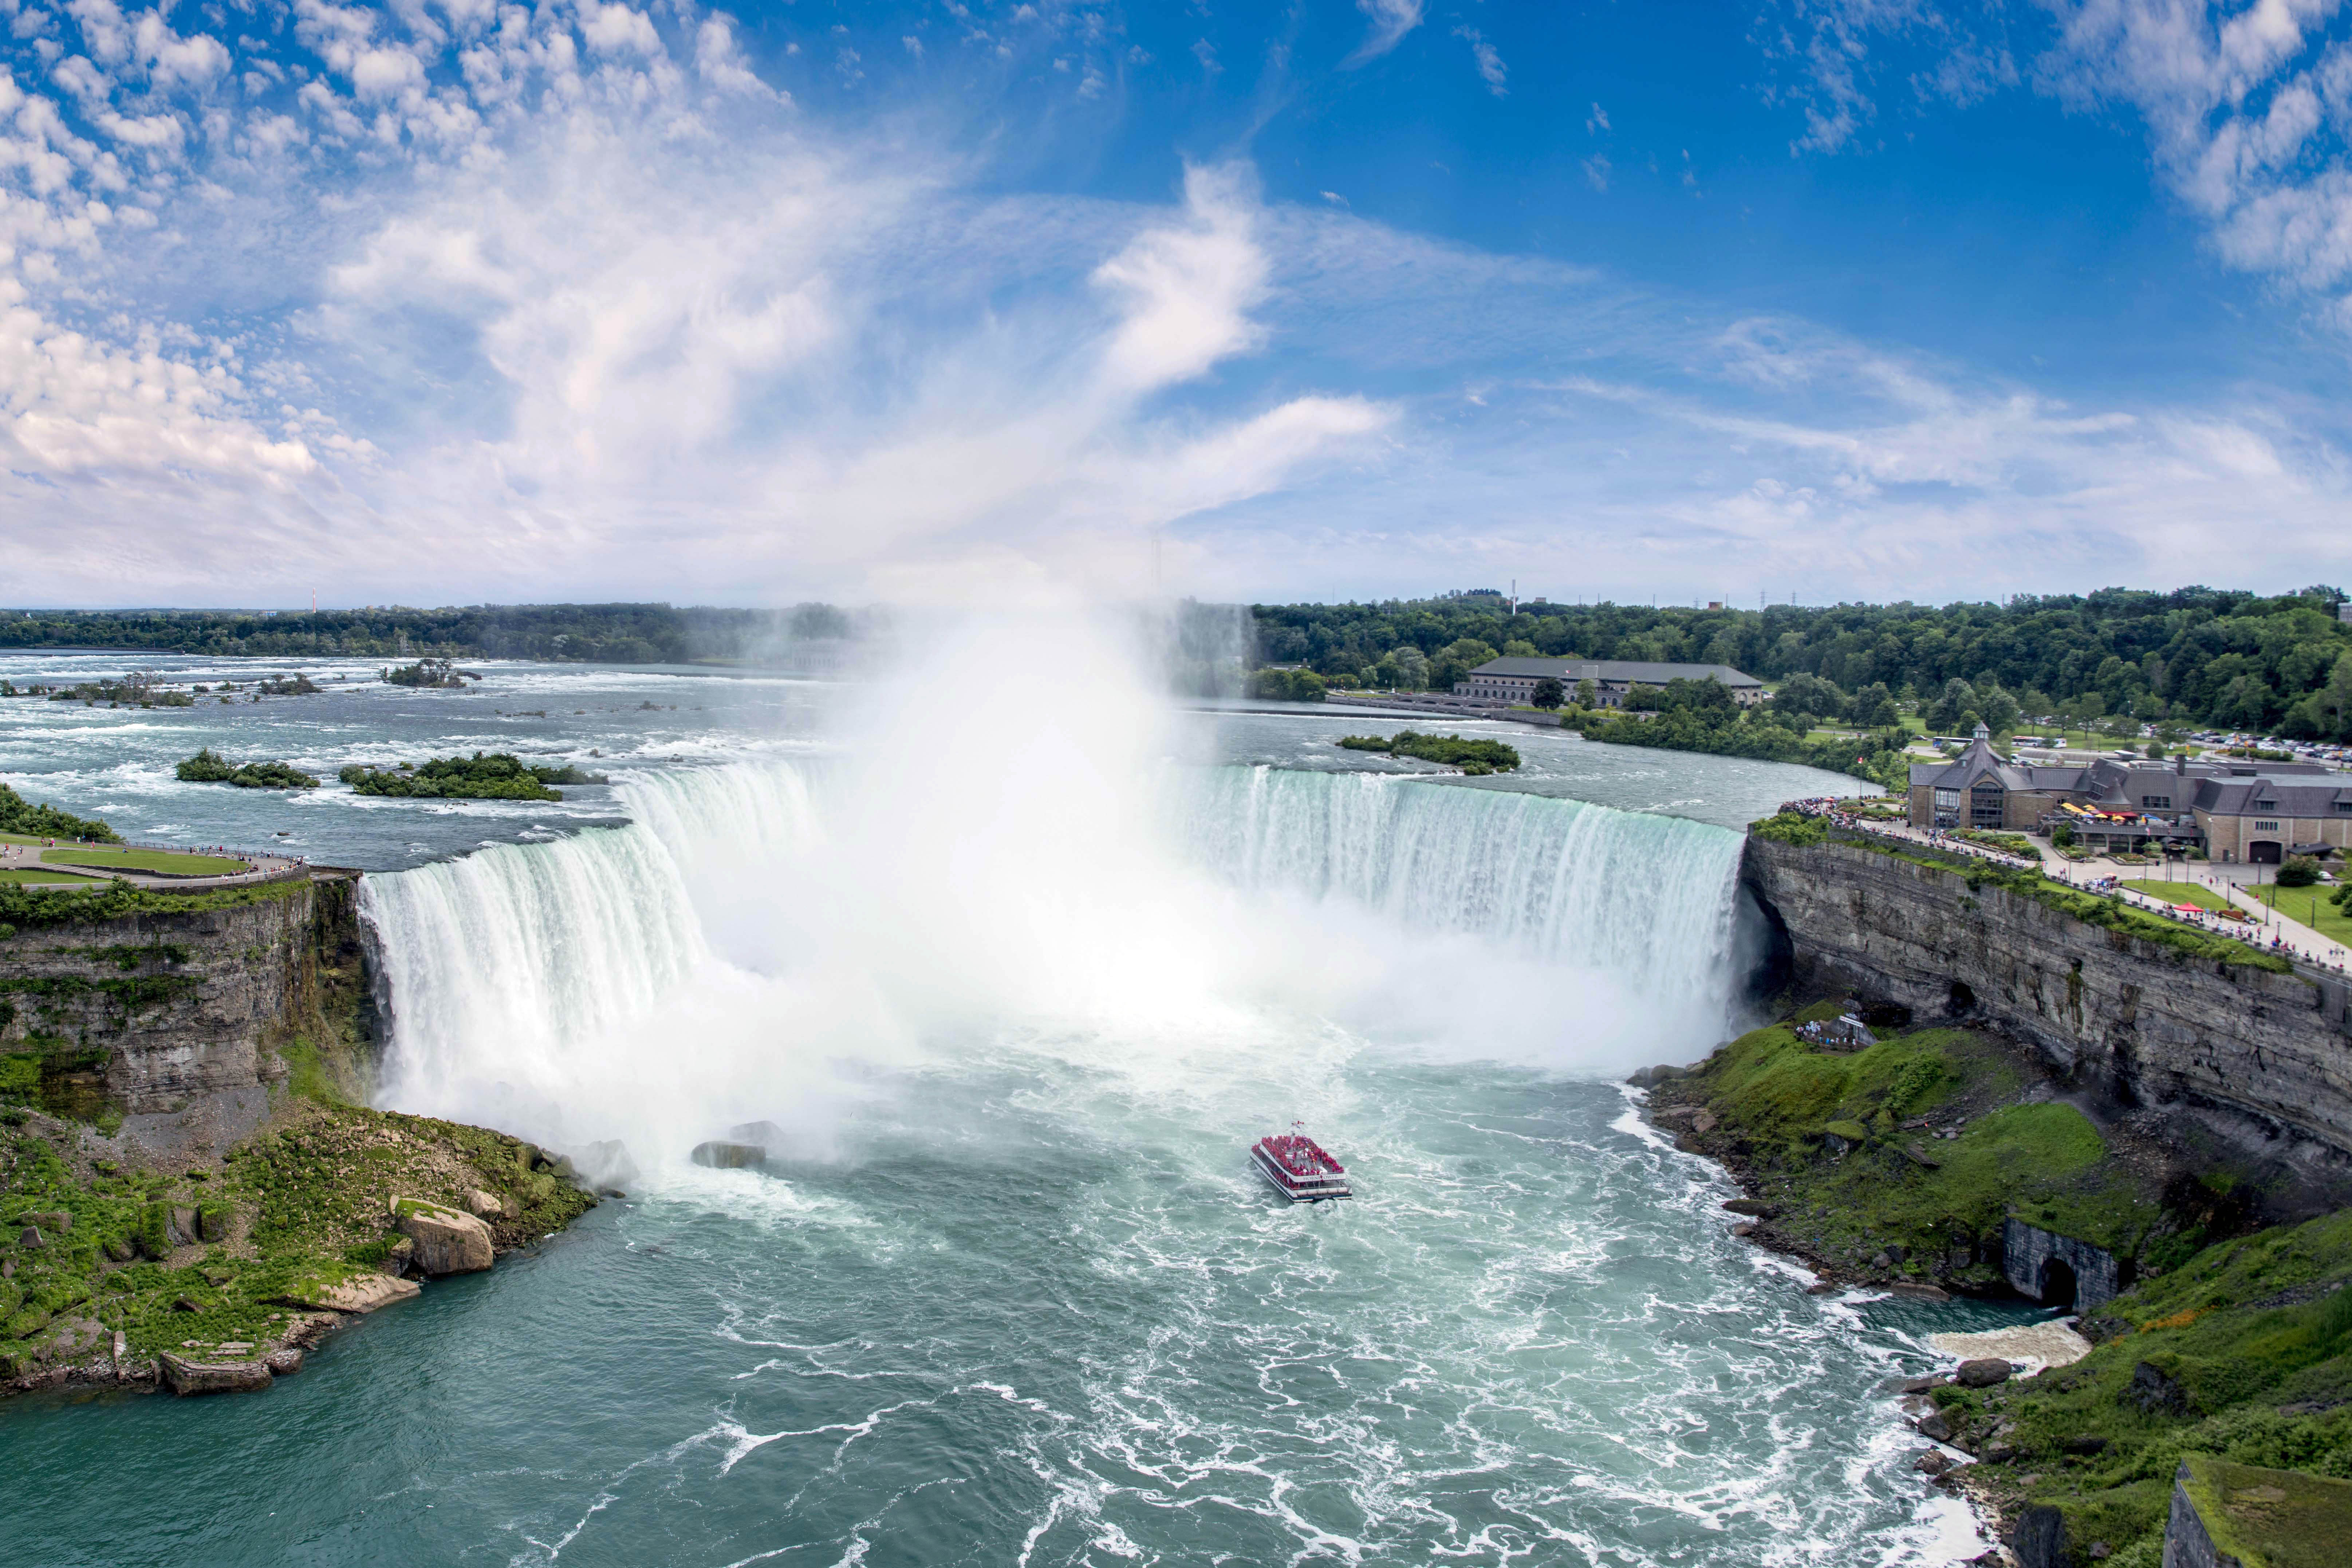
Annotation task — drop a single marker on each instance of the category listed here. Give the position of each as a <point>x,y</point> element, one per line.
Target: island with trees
<point>497,775</point>
<point>1472,757</point>
<point>208,766</point>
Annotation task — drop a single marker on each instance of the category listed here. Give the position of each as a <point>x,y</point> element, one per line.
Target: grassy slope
<point>2310,906</point>
<point>146,860</point>
<point>1773,1099</point>
<point>2197,893</point>
<point>302,1201</point>
<point>2256,1334</point>
<point>26,879</point>
<point>302,1204</point>
<point>2270,1518</point>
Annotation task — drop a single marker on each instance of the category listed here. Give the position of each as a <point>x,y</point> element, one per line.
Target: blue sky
<point>450,300</point>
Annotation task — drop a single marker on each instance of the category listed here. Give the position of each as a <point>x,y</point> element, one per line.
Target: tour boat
<point>1299,1168</point>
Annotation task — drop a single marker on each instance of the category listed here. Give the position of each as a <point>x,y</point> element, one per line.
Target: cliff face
<point>2262,1058</point>
<point>151,1011</point>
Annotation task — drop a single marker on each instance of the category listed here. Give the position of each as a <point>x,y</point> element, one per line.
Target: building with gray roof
<point>1514,679</point>
<point>2235,810</point>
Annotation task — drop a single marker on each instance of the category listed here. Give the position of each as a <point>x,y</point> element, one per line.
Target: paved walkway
<point>2270,930</point>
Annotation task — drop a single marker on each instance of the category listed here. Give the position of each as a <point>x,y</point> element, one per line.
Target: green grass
<point>147,861</point>
<point>2045,1164</point>
<point>2270,1518</point>
<point>2310,906</point>
<point>2256,1334</point>
<point>2197,893</point>
<point>15,878</point>
<point>307,1196</point>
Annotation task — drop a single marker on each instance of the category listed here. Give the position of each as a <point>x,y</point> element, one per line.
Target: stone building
<point>2235,810</point>
<point>1514,679</point>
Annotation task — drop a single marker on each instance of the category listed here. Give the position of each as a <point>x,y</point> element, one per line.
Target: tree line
<point>2279,664</point>
<point>603,634</point>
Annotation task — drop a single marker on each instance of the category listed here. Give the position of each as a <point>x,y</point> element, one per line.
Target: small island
<point>208,766</point>
<point>1472,757</point>
<point>429,672</point>
<point>498,775</point>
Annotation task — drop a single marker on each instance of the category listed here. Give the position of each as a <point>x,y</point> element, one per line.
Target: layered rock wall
<point>2262,1058</point>
<point>149,1011</point>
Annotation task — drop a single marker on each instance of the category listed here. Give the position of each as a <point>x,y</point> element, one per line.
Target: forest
<point>605,634</point>
<point>2214,656</point>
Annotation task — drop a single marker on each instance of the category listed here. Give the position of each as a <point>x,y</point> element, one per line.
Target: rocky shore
<point>1939,1162</point>
<point>220,1274</point>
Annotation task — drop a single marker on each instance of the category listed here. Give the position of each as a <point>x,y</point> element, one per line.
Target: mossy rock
<point>1851,1131</point>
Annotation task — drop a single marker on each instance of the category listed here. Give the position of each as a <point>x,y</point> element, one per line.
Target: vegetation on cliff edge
<point>2244,1353</point>
<point>1801,831</point>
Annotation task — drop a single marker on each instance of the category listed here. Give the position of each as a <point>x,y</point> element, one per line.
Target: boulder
<point>448,1241</point>
<point>360,1293</point>
<point>119,1250</point>
<point>1755,1208</point>
<point>1983,1371</point>
<point>283,1362</point>
<point>31,1240</point>
<point>1918,1292</point>
<point>1918,1384</point>
<point>1934,1427</point>
<point>485,1205</point>
<point>2040,1540</point>
<point>722,1156</point>
<point>1745,1227</point>
<point>2153,1392</point>
<point>1647,1077</point>
<point>212,1221</point>
<point>186,1375</point>
<point>183,1225</point>
<point>57,1222</point>
<point>401,1258</point>
<point>1932,1462</point>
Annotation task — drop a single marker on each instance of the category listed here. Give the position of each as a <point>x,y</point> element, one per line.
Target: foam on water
<point>1008,1238</point>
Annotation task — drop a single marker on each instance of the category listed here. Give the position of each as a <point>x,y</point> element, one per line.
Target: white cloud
<point>1489,63</point>
<point>1391,21</point>
<point>720,62</point>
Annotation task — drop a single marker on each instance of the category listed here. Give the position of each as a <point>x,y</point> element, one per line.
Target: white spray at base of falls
<point>721,958</point>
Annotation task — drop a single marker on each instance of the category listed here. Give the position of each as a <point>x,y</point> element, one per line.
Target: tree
<point>1519,648</point>
<point>1587,694</point>
<point>1457,660</point>
<point>2299,872</point>
<point>1548,694</point>
<point>1411,666</point>
<point>1873,708</point>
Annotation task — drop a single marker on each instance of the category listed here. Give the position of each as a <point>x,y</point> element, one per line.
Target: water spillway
<point>1014,1046</point>
<point>499,966</point>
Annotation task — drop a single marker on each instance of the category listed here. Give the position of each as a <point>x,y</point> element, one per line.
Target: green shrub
<point>207,766</point>
<point>2299,872</point>
<point>154,1236</point>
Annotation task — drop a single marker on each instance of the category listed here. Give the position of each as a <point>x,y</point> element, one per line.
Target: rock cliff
<point>2261,1058</point>
<point>146,1013</point>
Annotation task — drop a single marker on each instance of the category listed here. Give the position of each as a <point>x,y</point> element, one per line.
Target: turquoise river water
<point>1011,994</point>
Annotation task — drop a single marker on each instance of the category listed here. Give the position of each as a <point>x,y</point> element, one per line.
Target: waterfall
<point>1645,897</point>
<point>754,918</point>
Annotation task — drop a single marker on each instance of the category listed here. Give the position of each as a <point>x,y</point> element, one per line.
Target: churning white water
<point>731,946</point>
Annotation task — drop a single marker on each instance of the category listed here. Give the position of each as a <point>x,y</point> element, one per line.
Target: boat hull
<point>1297,1189</point>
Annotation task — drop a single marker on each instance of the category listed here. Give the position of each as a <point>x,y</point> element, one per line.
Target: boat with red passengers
<point>1299,1168</point>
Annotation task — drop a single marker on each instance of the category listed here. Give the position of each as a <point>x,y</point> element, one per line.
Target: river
<point>1012,990</point>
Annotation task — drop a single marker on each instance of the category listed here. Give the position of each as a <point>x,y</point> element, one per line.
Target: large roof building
<point>2235,810</point>
<point>1514,679</point>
